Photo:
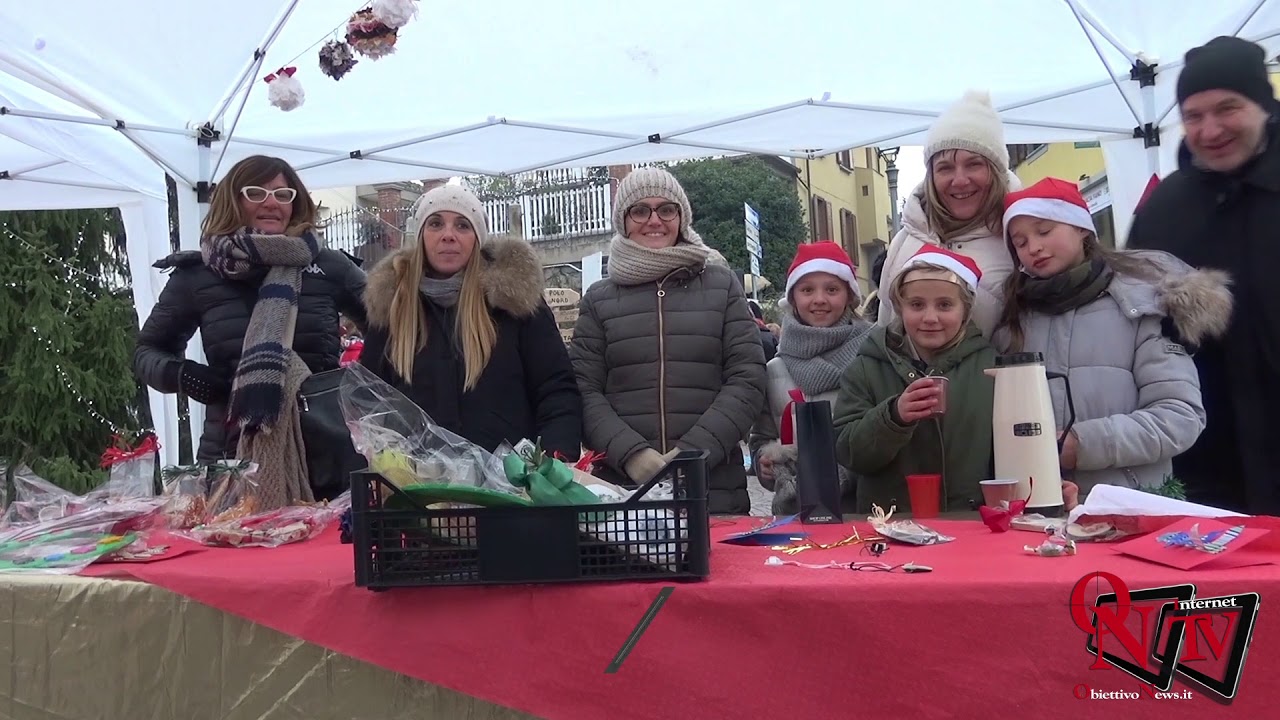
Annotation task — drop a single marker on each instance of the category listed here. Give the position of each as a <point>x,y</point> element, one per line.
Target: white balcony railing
<point>568,212</point>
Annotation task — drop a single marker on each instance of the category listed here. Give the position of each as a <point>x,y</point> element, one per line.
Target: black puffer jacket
<point>196,299</point>
<point>527,391</point>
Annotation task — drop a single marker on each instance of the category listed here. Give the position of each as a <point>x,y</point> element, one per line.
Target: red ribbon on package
<point>286,71</point>
<point>121,451</point>
<point>787,433</point>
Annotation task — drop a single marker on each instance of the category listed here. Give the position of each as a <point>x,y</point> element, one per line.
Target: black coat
<point>1232,223</point>
<point>195,298</point>
<point>528,389</point>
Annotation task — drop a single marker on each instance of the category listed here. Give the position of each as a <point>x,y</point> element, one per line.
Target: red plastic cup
<point>925,492</point>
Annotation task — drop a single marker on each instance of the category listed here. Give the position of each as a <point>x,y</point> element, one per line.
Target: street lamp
<point>890,156</point>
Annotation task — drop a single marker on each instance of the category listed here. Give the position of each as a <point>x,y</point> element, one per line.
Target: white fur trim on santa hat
<point>1050,209</point>
<point>824,265</point>
<point>942,260</point>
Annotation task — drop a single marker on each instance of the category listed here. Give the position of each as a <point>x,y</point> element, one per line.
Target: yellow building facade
<point>846,199</point>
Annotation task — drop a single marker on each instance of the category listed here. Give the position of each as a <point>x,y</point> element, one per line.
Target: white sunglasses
<point>255,194</point>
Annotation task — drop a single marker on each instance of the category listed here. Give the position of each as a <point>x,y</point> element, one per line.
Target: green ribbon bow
<point>547,480</point>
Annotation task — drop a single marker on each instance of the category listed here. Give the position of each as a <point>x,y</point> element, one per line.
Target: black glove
<point>202,384</point>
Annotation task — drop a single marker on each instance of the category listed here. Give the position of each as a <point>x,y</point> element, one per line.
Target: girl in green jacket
<point>893,417</point>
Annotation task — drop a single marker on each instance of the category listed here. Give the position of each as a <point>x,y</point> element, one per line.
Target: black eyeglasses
<point>641,213</point>
<point>255,194</point>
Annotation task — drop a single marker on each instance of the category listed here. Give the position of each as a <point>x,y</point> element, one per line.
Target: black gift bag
<point>817,473</point>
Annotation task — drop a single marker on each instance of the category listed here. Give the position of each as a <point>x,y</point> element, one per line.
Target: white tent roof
<point>509,85</point>
<point>1059,68</point>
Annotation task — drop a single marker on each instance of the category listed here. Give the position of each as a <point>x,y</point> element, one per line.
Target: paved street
<point>761,499</point>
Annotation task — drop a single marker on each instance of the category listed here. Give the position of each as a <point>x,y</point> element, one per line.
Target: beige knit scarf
<point>278,449</point>
<point>633,264</point>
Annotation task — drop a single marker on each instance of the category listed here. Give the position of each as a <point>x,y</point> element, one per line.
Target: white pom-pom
<point>285,91</point>
<point>395,13</point>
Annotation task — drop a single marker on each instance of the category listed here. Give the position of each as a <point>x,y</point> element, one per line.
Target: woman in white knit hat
<point>960,203</point>
<point>667,354</point>
<point>458,324</point>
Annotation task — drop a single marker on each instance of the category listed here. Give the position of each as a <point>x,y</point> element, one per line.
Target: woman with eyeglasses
<point>265,297</point>
<point>667,353</point>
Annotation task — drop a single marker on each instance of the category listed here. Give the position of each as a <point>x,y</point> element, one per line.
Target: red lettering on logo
<point>1109,620</point>
<point>1203,625</point>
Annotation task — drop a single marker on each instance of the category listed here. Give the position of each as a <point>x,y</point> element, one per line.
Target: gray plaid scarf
<point>258,392</point>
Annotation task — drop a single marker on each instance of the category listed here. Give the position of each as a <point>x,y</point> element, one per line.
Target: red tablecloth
<point>986,635</point>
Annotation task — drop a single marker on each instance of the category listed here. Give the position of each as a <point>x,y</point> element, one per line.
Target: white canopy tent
<point>507,86</point>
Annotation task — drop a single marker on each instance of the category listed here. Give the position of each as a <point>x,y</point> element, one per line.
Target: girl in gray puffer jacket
<point>1100,316</point>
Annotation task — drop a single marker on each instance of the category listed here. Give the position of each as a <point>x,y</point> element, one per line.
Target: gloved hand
<point>645,464</point>
<point>202,384</point>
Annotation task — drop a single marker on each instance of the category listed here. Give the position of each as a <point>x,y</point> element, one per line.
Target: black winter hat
<point>1227,63</point>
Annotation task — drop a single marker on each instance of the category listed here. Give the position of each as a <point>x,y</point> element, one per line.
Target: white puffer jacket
<point>987,249</point>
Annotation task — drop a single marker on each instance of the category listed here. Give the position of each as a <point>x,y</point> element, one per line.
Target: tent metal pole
<point>429,138</point>
<point>97,121</point>
<point>1054,95</point>
<point>1119,133</point>
<point>659,138</point>
<point>235,122</point>
<point>736,118</point>
<point>72,183</point>
<point>878,109</point>
<point>1102,58</point>
<point>250,69</point>
<point>1128,54</point>
<point>287,146</point>
<point>570,130</point>
<point>155,157</point>
<point>37,167</point>
<point>733,148</point>
<point>433,166</point>
<point>578,156</point>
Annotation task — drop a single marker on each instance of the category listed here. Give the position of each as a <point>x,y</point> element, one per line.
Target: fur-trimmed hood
<point>1197,302</point>
<point>511,277</point>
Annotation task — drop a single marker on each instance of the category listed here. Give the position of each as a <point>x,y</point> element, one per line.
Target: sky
<point>910,169</point>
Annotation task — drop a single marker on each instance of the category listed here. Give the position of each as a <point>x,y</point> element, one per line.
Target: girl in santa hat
<point>958,206</point>
<point>823,334</point>
<point>1106,318</point>
<point>893,416</point>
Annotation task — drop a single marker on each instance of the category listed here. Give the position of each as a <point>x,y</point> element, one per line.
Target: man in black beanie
<point>1221,210</point>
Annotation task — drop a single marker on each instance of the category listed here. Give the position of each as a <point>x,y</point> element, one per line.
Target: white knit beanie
<point>647,182</point>
<point>970,124</point>
<point>453,198</point>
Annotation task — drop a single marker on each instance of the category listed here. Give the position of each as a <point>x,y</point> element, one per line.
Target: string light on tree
<point>86,403</point>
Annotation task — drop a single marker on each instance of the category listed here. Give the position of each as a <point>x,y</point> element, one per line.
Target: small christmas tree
<point>68,323</point>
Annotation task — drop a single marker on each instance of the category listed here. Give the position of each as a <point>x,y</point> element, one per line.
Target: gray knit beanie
<point>649,182</point>
<point>972,124</point>
<point>453,198</point>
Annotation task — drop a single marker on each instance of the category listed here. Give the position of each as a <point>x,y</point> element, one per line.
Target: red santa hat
<point>1049,199</point>
<point>822,256</point>
<point>960,268</point>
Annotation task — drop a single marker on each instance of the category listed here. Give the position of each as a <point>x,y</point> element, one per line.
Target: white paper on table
<point>1116,500</point>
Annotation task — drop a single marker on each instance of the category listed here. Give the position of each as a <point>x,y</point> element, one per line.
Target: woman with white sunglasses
<point>266,299</point>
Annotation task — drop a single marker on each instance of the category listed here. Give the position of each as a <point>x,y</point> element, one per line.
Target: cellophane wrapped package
<point>404,445</point>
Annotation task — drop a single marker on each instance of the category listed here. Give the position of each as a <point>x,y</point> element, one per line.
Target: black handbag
<point>331,456</point>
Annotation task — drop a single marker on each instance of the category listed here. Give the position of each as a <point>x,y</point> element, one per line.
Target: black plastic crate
<point>576,543</point>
